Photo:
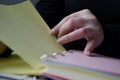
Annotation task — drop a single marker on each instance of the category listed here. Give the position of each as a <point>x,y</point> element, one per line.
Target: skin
<point>78,25</point>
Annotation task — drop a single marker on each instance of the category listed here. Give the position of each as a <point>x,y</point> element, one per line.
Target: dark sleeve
<point>6,53</point>
<point>52,11</point>
<point>111,42</point>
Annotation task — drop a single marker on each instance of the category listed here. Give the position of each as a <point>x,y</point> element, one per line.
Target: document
<point>24,31</point>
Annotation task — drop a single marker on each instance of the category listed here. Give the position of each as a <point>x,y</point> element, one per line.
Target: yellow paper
<point>16,65</point>
<point>26,33</point>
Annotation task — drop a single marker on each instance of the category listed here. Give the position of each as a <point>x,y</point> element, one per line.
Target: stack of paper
<point>74,65</point>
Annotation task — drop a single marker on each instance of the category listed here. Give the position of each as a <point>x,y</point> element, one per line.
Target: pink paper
<point>97,62</point>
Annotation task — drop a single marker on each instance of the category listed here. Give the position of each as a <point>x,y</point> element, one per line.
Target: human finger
<point>55,30</point>
<point>75,35</point>
<point>69,26</point>
<point>89,48</point>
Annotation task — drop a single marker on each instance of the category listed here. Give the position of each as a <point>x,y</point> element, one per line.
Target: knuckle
<point>86,10</point>
<point>85,31</point>
<point>72,22</point>
<point>93,18</point>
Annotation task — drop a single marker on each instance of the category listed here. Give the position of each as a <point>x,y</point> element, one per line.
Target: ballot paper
<point>24,31</point>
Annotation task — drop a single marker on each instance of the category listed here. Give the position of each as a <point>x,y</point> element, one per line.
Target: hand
<point>81,24</point>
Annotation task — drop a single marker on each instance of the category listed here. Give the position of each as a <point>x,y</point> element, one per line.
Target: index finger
<point>55,30</point>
